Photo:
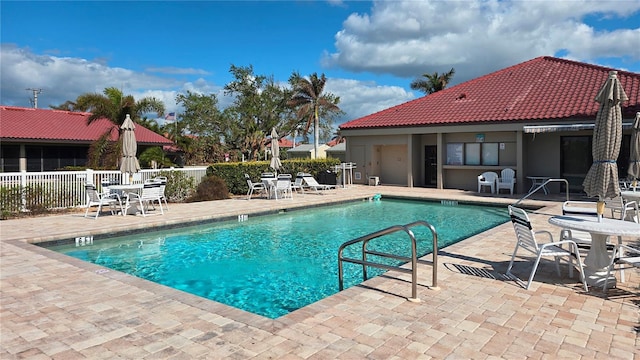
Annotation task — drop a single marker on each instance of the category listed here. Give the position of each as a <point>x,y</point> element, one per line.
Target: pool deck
<point>56,307</point>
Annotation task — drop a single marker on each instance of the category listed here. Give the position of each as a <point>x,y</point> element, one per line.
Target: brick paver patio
<point>56,307</point>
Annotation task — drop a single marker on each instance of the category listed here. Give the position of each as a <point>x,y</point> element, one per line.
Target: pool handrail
<point>414,257</point>
<point>541,186</point>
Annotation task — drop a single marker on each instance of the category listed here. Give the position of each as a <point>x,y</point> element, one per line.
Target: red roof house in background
<point>51,139</point>
<point>535,117</point>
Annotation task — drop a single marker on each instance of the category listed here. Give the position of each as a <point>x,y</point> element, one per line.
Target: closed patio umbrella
<point>602,178</point>
<point>275,151</point>
<point>634,157</point>
<point>129,163</point>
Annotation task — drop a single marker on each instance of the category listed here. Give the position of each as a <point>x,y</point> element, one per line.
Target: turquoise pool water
<point>272,265</point>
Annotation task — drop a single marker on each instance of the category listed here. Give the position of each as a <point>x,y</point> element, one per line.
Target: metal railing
<point>542,186</point>
<point>414,256</point>
<point>65,189</point>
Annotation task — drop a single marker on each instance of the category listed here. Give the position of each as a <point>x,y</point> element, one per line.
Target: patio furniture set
<point>281,186</point>
<point>583,234</point>
<point>128,199</point>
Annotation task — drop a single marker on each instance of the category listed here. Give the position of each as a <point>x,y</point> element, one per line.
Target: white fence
<point>65,189</point>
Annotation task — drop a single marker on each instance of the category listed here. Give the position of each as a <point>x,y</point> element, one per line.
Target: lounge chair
<point>487,179</point>
<point>312,183</point>
<point>298,185</point>
<point>94,198</point>
<point>526,239</point>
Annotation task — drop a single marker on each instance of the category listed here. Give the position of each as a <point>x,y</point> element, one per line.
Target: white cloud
<point>359,98</point>
<point>63,78</point>
<point>409,38</point>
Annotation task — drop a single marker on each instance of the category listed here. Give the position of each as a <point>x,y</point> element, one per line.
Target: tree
<point>112,105</point>
<point>430,83</point>
<point>204,123</point>
<point>260,104</point>
<point>310,103</point>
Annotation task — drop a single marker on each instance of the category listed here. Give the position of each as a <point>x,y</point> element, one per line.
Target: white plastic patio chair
<point>507,180</point>
<point>624,257</point>
<point>95,198</point>
<point>487,179</point>
<point>254,187</point>
<point>150,193</point>
<point>526,239</point>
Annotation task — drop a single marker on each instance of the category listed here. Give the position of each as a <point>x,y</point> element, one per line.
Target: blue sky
<point>370,51</point>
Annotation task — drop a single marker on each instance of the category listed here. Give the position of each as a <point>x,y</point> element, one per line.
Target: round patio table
<point>597,260</point>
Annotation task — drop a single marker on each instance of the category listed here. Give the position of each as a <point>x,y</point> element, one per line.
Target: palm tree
<point>310,102</point>
<point>113,106</point>
<point>430,83</point>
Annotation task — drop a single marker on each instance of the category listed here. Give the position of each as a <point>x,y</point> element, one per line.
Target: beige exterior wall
<point>398,157</point>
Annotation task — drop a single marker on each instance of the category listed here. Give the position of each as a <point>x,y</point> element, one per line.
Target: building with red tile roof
<point>535,117</point>
<point>42,139</point>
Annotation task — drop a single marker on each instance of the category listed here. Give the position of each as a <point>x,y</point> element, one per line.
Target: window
<point>472,154</point>
<point>9,158</point>
<point>455,154</point>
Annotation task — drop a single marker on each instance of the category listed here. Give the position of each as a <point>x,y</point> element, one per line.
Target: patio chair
<point>624,257</point>
<point>257,187</point>
<point>95,198</point>
<point>149,195</point>
<point>621,209</point>
<point>487,179</point>
<point>312,183</point>
<point>526,239</point>
<point>162,180</point>
<point>283,189</point>
<point>507,180</point>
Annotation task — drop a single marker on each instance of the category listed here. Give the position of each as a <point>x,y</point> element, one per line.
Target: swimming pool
<point>274,264</point>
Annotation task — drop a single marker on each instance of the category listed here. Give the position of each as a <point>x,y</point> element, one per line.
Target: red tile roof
<point>28,124</point>
<point>282,143</point>
<point>544,88</point>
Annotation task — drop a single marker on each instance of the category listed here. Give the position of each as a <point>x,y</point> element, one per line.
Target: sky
<point>370,51</point>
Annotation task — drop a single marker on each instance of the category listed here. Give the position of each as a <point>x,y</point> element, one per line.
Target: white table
<point>597,259</point>
<point>537,181</point>
<point>123,191</point>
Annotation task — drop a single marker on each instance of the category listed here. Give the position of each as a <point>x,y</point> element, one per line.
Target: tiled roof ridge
<point>22,108</point>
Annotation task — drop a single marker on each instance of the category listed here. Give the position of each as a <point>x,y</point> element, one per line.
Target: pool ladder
<point>414,256</point>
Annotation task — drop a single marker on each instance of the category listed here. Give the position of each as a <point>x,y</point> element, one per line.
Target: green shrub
<point>211,188</point>
<point>179,186</point>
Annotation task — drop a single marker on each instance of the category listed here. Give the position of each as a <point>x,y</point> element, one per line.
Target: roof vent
<point>461,96</point>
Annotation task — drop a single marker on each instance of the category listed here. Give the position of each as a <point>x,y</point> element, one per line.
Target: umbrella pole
<point>600,208</point>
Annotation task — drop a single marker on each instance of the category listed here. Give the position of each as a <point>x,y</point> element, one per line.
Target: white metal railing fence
<point>65,189</point>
